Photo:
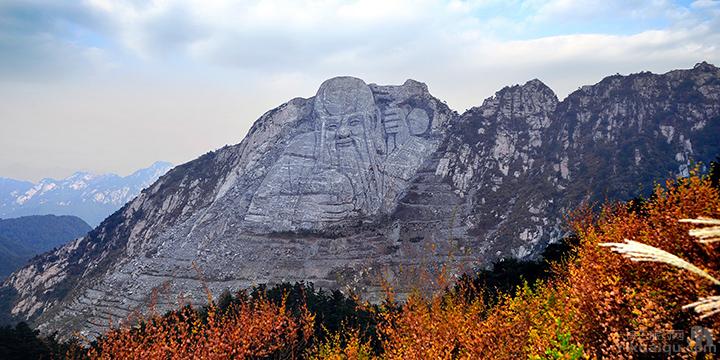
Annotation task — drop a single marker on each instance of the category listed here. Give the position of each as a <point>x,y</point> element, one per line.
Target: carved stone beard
<point>355,158</point>
<point>356,163</point>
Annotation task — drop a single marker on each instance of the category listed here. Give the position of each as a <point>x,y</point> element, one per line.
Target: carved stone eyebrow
<point>355,117</point>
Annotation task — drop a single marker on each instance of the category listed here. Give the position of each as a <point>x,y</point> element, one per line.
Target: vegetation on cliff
<point>582,302</point>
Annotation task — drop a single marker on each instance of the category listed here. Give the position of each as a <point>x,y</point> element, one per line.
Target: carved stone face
<point>345,130</point>
<point>345,109</point>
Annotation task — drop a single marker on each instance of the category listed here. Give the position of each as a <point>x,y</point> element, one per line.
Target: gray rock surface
<point>364,146</point>
<point>365,183</point>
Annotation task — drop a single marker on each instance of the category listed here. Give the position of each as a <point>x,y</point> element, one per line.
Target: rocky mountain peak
<point>518,101</point>
<point>537,86</point>
<point>416,84</point>
<point>364,182</point>
<point>705,66</point>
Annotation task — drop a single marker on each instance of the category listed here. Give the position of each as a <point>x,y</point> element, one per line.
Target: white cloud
<point>705,4</point>
<point>312,36</point>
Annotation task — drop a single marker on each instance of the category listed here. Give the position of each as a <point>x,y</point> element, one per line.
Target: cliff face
<point>523,160</point>
<point>365,182</point>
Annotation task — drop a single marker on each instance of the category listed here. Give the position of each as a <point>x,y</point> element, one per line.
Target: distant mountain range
<point>24,237</point>
<point>88,196</point>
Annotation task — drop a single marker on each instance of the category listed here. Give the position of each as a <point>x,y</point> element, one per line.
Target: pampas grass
<point>705,235</point>
<point>706,306</point>
<point>637,251</point>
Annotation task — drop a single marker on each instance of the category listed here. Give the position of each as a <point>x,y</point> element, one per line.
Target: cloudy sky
<point>111,86</point>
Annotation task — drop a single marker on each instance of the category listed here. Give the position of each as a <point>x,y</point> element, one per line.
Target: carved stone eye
<point>355,121</point>
<point>332,127</point>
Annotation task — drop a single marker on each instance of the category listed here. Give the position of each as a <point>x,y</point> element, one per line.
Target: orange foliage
<point>429,330</point>
<point>348,345</point>
<point>589,309</point>
<point>247,330</point>
<point>447,327</point>
<point>595,303</point>
<point>614,296</point>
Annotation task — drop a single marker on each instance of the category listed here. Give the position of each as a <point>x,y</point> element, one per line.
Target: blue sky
<point>108,85</point>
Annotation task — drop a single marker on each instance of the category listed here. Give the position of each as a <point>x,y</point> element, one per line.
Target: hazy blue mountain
<point>27,236</point>
<point>8,187</point>
<point>89,196</point>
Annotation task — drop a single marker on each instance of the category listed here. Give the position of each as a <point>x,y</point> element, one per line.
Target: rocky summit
<point>364,184</point>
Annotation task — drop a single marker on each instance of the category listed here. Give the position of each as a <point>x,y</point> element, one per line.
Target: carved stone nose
<point>343,132</point>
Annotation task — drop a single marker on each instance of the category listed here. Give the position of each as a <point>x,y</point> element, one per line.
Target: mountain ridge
<point>363,182</point>
<point>25,237</point>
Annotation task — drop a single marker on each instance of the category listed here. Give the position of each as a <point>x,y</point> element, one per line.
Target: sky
<point>112,86</point>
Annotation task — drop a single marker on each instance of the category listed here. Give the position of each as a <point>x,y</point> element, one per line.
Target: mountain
<point>88,196</point>
<point>363,184</point>
<point>24,237</point>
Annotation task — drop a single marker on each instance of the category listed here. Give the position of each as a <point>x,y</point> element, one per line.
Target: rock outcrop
<point>362,147</point>
<point>366,183</point>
